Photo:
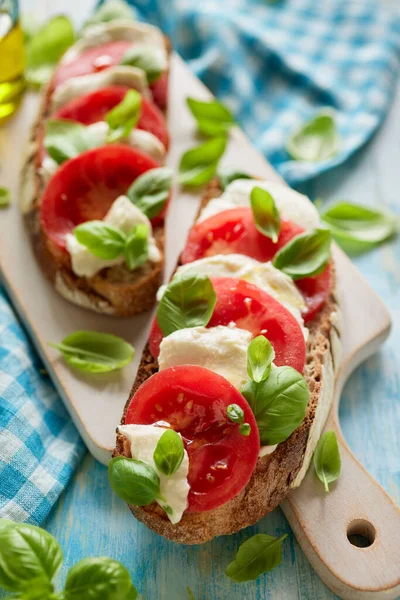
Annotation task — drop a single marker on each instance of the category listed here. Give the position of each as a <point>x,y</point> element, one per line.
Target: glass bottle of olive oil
<point>11,58</point>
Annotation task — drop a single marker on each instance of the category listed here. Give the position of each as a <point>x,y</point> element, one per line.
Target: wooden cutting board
<point>357,505</point>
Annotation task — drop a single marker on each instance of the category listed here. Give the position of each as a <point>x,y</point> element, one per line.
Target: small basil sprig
<point>150,59</point>
<point>150,191</point>
<point>260,355</point>
<point>236,415</point>
<point>198,165</point>
<point>213,118</point>
<point>111,10</point>
<point>266,215</point>
<point>65,139</point>
<point>169,452</point>
<point>316,140</point>
<point>136,249</point>
<point>102,240</point>
<point>327,461</point>
<point>358,228</point>
<point>188,301</point>
<point>134,481</point>
<point>123,117</point>
<point>4,197</point>
<point>95,352</point>
<point>99,578</point>
<point>257,555</point>
<point>306,255</point>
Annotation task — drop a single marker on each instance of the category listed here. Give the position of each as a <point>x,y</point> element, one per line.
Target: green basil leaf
<point>99,578</point>
<point>235,413</point>
<point>46,47</point>
<point>137,247</point>
<point>188,301</point>
<point>109,11</point>
<point>199,164</point>
<point>65,139</point>
<point>227,175</point>
<point>260,355</point>
<point>101,239</point>
<point>134,481</point>
<point>190,593</point>
<point>279,403</point>
<point>95,352</point>
<point>4,197</point>
<point>151,191</point>
<point>358,228</point>
<point>245,429</point>
<point>150,59</point>
<point>265,213</point>
<point>257,555</point>
<point>169,452</point>
<point>29,557</point>
<point>327,461</point>
<point>213,118</point>
<point>305,255</point>
<point>123,117</point>
<point>316,140</point>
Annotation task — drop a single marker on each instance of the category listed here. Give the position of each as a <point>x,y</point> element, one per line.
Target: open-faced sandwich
<point>94,192</point>
<point>236,381</point>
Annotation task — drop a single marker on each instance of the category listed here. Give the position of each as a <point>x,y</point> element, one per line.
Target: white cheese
<point>175,489</point>
<point>266,450</point>
<point>291,205</point>
<point>219,349</point>
<point>78,86</point>
<point>123,215</point>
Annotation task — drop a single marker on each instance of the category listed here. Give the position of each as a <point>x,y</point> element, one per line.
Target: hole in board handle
<point>361,533</point>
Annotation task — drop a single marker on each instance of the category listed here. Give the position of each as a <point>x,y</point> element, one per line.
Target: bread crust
<point>275,474</point>
<point>114,291</point>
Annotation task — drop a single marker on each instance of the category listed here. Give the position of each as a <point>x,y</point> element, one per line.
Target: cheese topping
<point>219,349</point>
<point>79,86</point>
<point>290,204</point>
<point>123,215</point>
<point>175,489</point>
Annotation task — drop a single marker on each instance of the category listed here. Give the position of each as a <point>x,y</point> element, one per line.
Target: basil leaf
<point>327,461</point>
<point>4,197</point>
<point>123,117</point>
<point>358,228</point>
<point>305,255</point>
<point>190,593</point>
<point>265,213</point>
<point>99,578</point>
<point>150,59</point>
<point>109,11</point>
<point>151,191</point>
<point>134,481</point>
<point>95,352</point>
<point>199,164</point>
<point>188,301</point>
<point>29,556</point>
<point>101,239</point>
<point>316,140</point>
<point>255,556</point>
<point>45,49</point>
<point>169,452</point>
<point>213,118</point>
<point>137,247</point>
<point>279,404</point>
<point>235,413</point>
<point>227,175</point>
<point>260,355</point>
<point>65,139</point>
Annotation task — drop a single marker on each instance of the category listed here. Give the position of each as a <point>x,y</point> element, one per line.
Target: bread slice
<point>275,474</point>
<point>114,291</point>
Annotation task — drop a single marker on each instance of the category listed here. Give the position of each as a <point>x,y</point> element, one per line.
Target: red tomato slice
<point>252,309</point>
<point>83,188</point>
<point>159,90</point>
<point>315,291</point>
<point>193,400</point>
<point>234,231</point>
<point>94,106</point>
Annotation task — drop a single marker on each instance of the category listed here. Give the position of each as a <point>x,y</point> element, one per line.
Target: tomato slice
<point>315,291</point>
<point>159,90</point>
<point>234,231</point>
<point>83,188</point>
<point>252,309</point>
<point>94,106</point>
<point>193,400</point>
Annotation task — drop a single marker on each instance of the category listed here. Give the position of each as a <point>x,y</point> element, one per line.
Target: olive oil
<point>12,59</point>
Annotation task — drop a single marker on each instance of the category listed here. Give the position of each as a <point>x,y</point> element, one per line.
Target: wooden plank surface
<point>89,520</point>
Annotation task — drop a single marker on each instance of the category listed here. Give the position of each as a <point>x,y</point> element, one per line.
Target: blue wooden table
<point>90,520</point>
